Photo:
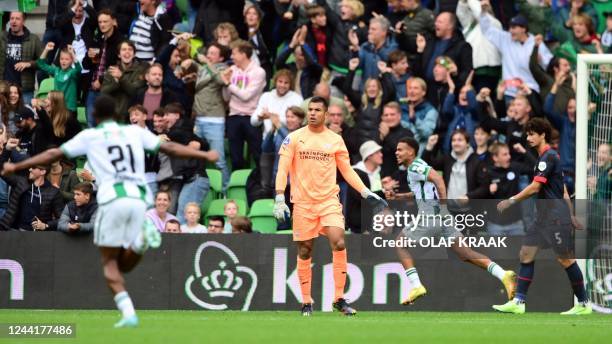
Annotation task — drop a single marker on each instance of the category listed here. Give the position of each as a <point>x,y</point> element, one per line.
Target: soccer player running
<point>428,189</point>
<point>116,153</point>
<point>310,156</point>
<point>554,223</point>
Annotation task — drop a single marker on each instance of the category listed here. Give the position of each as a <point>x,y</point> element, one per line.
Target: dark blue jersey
<point>551,207</point>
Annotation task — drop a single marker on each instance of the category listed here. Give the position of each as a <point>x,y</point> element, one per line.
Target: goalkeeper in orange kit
<point>310,156</point>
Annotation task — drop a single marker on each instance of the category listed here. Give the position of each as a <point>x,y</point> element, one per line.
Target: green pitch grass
<point>171,327</point>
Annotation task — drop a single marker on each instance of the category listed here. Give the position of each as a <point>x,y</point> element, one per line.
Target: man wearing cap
<point>515,47</point>
<point>34,203</point>
<point>28,135</point>
<point>368,169</point>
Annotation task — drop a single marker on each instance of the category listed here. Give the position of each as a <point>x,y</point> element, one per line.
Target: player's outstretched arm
<point>527,192</point>
<point>182,151</point>
<point>352,178</point>
<point>44,158</point>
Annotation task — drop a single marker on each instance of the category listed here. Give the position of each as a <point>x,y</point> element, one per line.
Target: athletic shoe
<point>127,322</point>
<point>509,282</point>
<point>511,307</point>
<point>342,306</point>
<point>307,309</point>
<point>579,309</point>
<point>414,294</point>
<point>151,236</point>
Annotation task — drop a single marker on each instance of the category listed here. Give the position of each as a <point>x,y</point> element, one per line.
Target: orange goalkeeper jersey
<point>311,159</point>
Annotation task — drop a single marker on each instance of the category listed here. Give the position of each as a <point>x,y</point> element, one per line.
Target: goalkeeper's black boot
<point>342,306</point>
<point>307,309</point>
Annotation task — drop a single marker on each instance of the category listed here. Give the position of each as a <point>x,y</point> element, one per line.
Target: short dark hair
<point>217,218</point>
<point>461,132</point>
<point>107,12</point>
<point>485,129</point>
<point>174,108</point>
<point>104,108</point>
<point>172,221</point>
<point>158,112</point>
<point>128,42</point>
<point>319,100</point>
<point>396,56</point>
<point>314,10</point>
<point>243,47</point>
<point>411,142</point>
<point>224,51</point>
<point>539,126</point>
<point>84,187</point>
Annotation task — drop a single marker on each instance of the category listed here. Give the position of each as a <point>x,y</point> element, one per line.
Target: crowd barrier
<point>252,272</point>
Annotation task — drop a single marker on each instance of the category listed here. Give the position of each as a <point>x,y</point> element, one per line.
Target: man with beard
<point>19,50</point>
<point>34,203</point>
<point>154,96</point>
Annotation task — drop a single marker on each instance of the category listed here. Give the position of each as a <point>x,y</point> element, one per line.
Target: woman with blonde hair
<point>59,124</point>
<point>369,104</point>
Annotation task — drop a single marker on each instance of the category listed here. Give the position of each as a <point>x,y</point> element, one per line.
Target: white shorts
<point>119,222</point>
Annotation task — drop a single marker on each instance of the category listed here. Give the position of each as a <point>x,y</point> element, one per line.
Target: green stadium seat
<point>205,206</point>
<point>284,231</point>
<point>236,188</point>
<point>215,178</point>
<point>45,87</point>
<point>82,116</point>
<point>261,216</point>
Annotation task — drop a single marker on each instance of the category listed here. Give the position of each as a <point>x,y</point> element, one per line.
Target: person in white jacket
<point>485,58</point>
<point>276,101</point>
<point>515,47</point>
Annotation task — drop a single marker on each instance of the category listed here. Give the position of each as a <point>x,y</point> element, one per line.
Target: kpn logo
<point>219,282</point>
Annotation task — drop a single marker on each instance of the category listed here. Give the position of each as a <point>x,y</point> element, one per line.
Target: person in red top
<point>318,33</point>
<point>311,155</point>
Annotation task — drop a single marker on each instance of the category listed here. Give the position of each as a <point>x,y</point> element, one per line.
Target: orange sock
<point>339,265</point>
<point>304,272</point>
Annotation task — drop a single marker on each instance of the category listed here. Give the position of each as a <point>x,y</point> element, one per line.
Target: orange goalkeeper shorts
<point>310,219</point>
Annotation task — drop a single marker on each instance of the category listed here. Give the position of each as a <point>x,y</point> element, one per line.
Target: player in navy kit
<point>554,224</point>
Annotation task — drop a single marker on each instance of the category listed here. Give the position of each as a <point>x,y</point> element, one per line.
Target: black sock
<point>575,276</point>
<point>524,280</point>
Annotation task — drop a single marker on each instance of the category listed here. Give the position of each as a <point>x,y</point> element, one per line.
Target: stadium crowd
<point>461,77</point>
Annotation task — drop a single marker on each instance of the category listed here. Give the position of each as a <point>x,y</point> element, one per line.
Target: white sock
<point>124,304</point>
<point>496,270</point>
<point>413,277</point>
<point>138,245</point>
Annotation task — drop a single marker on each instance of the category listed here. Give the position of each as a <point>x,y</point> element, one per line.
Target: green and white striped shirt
<point>116,155</point>
<point>425,192</point>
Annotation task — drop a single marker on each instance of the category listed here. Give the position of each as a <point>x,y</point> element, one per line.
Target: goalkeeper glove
<point>281,210</point>
<point>374,201</point>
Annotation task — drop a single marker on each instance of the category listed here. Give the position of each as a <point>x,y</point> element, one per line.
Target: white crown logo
<point>221,282</point>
